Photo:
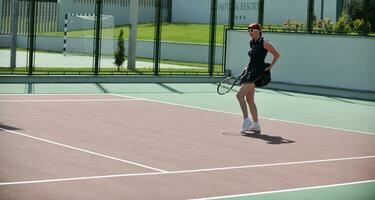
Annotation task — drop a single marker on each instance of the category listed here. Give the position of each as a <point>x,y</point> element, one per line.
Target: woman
<point>259,47</point>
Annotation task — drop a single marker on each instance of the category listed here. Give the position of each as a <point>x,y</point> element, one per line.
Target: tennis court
<point>180,141</point>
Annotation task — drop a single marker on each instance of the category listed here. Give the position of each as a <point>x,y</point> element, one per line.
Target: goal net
<point>80,34</point>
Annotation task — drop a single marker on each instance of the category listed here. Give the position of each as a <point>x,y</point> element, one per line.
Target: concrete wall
<point>275,11</point>
<point>317,60</point>
<point>169,50</point>
<point>5,41</point>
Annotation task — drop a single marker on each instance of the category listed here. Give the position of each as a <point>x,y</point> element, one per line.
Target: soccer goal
<point>79,31</point>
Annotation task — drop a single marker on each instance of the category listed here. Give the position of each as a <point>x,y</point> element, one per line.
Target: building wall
<point>119,12</point>
<point>275,11</point>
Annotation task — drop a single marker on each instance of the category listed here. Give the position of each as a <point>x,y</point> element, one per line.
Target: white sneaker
<point>246,125</point>
<point>254,127</point>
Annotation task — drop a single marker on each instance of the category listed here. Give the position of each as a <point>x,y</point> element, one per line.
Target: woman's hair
<point>255,26</point>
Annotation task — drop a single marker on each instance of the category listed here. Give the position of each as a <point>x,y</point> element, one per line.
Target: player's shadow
<point>7,127</point>
<point>268,138</point>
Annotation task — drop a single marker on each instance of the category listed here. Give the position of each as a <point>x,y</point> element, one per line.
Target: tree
<point>356,10</point>
<point>371,15</point>
<point>120,53</point>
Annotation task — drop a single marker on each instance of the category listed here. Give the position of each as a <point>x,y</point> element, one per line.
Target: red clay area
<point>166,137</point>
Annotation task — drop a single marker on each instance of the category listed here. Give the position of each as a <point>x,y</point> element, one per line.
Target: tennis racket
<point>228,83</point>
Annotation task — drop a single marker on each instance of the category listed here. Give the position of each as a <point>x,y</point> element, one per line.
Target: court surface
<point>180,141</point>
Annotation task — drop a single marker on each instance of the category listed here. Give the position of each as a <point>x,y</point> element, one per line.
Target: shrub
<point>342,25</point>
<point>120,53</point>
<point>358,25</point>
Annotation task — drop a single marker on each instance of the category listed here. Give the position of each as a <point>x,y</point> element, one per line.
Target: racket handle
<point>243,71</point>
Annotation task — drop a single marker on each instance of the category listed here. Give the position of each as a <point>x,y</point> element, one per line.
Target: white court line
<point>83,150</point>
<point>57,94</point>
<point>66,100</point>
<point>287,190</point>
<point>79,178</point>
<point>185,171</point>
<point>231,113</point>
<point>274,164</point>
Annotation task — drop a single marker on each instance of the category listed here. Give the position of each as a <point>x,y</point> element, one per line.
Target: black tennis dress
<point>256,66</point>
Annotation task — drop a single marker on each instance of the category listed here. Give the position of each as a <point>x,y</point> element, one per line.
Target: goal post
<point>79,31</point>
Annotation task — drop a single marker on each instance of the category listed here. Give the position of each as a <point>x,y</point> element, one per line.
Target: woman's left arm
<point>268,46</point>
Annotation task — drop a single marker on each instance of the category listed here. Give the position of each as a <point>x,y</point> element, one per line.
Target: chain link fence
<point>173,37</point>
<point>344,17</point>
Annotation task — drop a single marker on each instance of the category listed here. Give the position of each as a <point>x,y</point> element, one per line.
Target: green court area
<point>340,113</point>
<point>357,191</point>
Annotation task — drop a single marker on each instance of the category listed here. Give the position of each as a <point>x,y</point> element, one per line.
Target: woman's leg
<point>241,94</point>
<point>251,102</point>
<point>253,109</point>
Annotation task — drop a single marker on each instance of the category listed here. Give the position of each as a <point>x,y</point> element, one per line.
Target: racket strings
<point>226,85</point>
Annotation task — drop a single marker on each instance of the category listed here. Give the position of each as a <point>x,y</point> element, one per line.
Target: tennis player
<point>259,47</point>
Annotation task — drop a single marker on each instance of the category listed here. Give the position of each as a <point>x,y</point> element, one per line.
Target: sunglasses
<point>252,30</point>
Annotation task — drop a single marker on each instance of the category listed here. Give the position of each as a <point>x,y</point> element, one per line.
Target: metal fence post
<point>14,33</point>
<point>339,7</point>
<point>322,10</point>
<point>31,36</point>
<point>261,12</point>
<point>310,16</point>
<point>157,38</point>
<point>366,10</point>
<point>232,12</point>
<point>169,7</point>
<point>98,12</point>
<point>211,53</point>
